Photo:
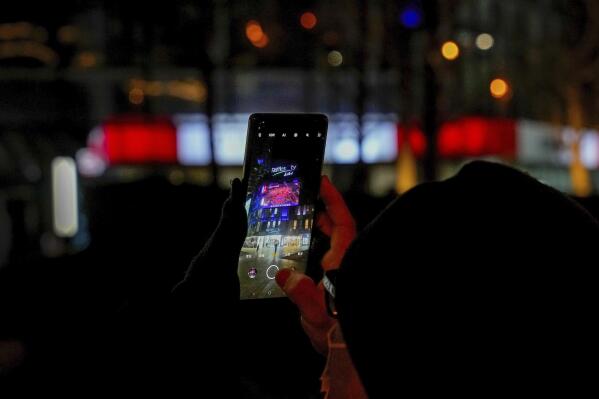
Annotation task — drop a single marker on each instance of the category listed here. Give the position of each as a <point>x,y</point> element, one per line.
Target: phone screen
<point>283,163</point>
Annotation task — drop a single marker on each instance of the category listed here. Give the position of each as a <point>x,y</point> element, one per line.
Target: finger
<point>232,226</point>
<point>231,201</point>
<point>341,239</point>
<point>237,190</point>
<point>343,225</point>
<point>336,208</point>
<point>306,295</point>
<point>333,257</point>
<point>324,224</point>
<point>226,241</point>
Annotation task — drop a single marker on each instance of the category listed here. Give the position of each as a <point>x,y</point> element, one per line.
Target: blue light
<point>411,17</point>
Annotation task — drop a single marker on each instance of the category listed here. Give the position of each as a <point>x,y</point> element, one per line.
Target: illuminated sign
<point>284,170</point>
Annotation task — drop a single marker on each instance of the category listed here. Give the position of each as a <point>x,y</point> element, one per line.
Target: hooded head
<point>480,284</point>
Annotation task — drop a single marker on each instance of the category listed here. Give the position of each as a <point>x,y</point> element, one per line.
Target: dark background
<point>67,69</point>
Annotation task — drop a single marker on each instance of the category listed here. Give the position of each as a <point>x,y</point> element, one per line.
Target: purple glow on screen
<point>274,195</point>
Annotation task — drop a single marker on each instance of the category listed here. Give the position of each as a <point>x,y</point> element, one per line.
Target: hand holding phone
<point>340,377</point>
<point>338,224</point>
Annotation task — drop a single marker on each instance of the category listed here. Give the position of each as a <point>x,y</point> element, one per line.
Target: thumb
<point>232,226</point>
<point>224,245</point>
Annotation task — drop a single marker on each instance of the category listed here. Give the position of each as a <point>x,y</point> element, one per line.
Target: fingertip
<point>282,276</point>
<point>326,186</point>
<point>235,184</point>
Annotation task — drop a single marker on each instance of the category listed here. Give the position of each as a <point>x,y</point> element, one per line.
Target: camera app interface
<point>283,185</point>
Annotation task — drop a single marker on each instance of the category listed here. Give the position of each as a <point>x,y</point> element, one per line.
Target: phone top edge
<point>281,115</point>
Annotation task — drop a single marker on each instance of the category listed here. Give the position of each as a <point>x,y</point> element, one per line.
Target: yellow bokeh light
<point>68,34</point>
<point>484,41</point>
<point>499,88</point>
<point>87,59</point>
<point>136,96</point>
<point>450,50</point>
<point>30,49</point>
<point>335,58</point>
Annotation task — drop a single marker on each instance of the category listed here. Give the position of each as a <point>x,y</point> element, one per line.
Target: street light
<point>499,88</point>
<point>450,50</point>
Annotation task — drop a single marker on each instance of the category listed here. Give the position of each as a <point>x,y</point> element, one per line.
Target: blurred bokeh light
<point>450,50</point>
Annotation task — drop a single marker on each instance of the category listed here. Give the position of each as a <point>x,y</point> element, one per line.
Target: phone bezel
<point>313,121</point>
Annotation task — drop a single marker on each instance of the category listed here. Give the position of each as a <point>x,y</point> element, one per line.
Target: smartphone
<point>281,176</point>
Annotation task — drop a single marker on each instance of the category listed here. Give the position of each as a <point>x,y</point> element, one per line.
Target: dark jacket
<point>480,285</point>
